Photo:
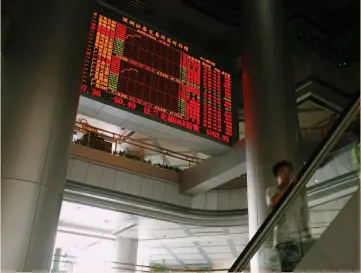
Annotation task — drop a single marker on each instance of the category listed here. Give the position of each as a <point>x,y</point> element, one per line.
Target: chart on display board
<point>133,67</point>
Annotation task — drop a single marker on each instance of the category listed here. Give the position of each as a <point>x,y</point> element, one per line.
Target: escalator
<point>323,251</point>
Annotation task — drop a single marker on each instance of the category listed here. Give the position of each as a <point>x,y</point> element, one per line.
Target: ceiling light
<point>316,180</point>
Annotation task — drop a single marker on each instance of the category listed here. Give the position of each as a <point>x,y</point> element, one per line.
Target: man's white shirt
<point>293,225</point>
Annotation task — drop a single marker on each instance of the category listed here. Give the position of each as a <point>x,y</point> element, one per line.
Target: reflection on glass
<point>293,227</point>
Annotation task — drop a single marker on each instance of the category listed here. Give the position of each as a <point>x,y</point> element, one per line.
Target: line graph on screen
<point>129,36</point>
<point>128,69</point>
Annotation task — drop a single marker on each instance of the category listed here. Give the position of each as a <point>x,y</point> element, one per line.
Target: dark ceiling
<point>329,28</point>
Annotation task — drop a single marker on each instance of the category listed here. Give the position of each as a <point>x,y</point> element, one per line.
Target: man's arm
<point>276,198</point>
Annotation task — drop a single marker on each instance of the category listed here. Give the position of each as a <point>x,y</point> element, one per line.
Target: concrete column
<point>125,252</point>
<point>271,121</point>
<point>42,66</point>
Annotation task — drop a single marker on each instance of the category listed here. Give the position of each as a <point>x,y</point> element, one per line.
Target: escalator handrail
<point>292,193</point>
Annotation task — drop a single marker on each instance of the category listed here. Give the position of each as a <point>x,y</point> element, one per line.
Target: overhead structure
<point>132,67</point>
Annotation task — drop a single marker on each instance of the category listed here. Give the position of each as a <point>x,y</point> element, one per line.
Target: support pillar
<point>41,66</point>
<point>271,121</point>
<point>125,253</point>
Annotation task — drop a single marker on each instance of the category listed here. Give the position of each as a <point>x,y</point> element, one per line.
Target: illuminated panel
<point>141,70</point>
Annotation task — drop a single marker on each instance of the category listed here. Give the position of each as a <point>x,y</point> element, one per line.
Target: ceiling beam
<point>102,237</point>
<point>117,232</point>
<point>74,226</point>
<point>90,245</point>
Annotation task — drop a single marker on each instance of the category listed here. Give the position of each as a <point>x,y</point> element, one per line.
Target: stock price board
<point>138,69</point>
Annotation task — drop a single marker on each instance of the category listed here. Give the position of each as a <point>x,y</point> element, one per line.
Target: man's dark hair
<point>281,164</point>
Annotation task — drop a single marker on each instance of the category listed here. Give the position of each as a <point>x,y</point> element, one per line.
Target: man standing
<point>292,228</point>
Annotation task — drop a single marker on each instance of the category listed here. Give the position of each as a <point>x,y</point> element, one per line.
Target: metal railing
<point>292,193</point>
<point>320,126</point>
<point>110,142</point>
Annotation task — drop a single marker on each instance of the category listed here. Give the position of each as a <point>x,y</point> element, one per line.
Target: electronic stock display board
<point>136,68</point>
